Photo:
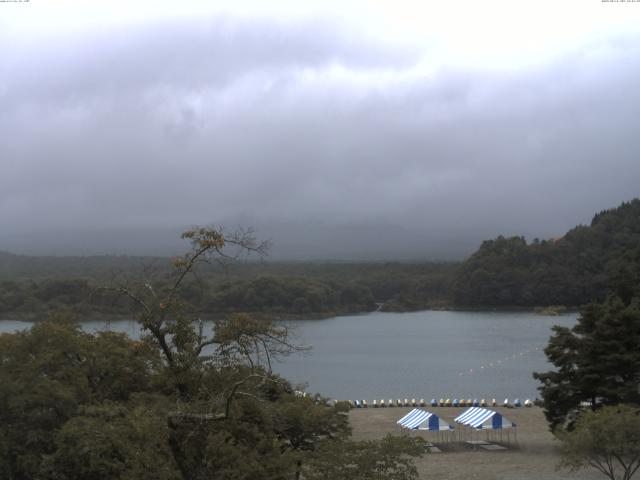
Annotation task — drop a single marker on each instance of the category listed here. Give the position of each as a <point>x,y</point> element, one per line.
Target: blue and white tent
<point>418,419</point>
<point>482,418</point>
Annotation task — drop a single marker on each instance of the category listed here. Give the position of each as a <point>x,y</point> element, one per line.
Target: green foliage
<point>304,421</point>
<point>75,405</point>
<point>597,361</point>
<point>37,299</point>
<point>573,270</point>
<point>290,296</point>
<point>240,446</point>
<point>113,441</point>
<point>386,459</point>
<point>49,372</point>
<point>176,405</point>
<point>607,440</point>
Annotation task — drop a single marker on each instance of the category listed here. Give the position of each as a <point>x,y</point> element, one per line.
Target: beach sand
<point>535,456</point>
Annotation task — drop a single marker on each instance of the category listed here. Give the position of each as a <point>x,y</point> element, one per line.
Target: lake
<point>414,355</point>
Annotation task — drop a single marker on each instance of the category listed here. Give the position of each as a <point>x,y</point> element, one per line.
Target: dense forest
<point>33,287</point>
<point>504,273</point>
<point>573,270</point>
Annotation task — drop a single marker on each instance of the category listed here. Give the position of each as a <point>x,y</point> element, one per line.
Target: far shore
<point>279,316</point>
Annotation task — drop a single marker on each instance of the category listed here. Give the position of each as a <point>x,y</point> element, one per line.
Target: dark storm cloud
<point>175,125</point>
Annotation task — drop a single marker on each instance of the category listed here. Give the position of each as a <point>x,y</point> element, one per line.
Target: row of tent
<point>474,417</point>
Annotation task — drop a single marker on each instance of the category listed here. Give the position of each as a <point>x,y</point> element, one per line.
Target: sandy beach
<point>534,456</point>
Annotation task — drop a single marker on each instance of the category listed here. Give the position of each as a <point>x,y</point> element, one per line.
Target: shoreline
<point>279,316</point>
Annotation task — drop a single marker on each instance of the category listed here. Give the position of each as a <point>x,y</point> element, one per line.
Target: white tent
<point>477,419</point>
<point>482,418</point>
<point>418,419</point>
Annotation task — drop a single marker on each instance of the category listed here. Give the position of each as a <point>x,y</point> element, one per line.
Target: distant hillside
<point>20,267</point>
<point>34,287</point>
<point>572,270</point>
<point>291,241</point>
<point>506,272</point>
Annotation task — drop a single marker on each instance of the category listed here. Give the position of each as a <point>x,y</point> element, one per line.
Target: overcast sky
<point>474,118</point>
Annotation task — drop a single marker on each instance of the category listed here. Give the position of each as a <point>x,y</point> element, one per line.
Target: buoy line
<point>499,362</point>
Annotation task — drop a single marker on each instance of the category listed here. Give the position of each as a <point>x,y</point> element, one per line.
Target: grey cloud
<point>232,130</point>
<point>179,55</point>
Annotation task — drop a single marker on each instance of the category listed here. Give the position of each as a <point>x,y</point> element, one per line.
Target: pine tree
<point>597,361</point>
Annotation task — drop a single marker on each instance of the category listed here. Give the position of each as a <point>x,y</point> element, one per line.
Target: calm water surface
<point>420,354</point>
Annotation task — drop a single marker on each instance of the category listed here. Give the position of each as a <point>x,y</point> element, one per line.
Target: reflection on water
<point>420,354</point>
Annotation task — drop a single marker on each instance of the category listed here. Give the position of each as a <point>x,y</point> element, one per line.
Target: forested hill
<point>572,270</point>
<point>24,267</point>
<point>506,272</point>
<point>34,287</point>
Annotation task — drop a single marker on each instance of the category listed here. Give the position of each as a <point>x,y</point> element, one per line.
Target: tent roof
<point>479,418</point>
<point>417,417</point>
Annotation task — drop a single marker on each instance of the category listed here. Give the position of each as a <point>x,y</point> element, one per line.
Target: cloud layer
<point>224,118</point>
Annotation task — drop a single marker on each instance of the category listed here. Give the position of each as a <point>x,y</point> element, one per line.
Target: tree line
<point>573,270</point>
<point>265,295</point>
<point>177,404</point>
<point>505,272</point>
<point>297,289</point>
